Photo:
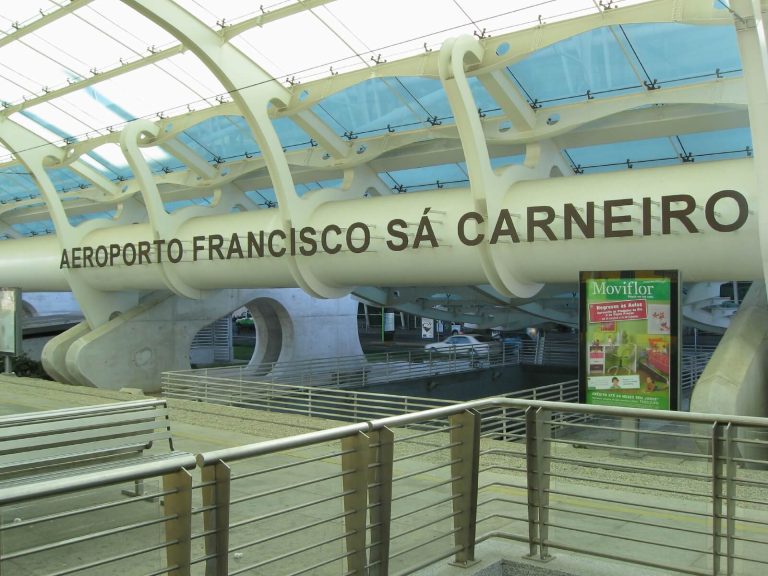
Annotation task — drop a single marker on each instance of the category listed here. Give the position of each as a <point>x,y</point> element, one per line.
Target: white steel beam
<point>19,31</point>
<point>632,227</point>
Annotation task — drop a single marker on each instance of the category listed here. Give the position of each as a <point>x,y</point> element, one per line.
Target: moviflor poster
<point>629,339</point>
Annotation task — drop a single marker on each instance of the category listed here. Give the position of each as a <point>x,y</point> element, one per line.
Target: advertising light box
<point>630,339</point>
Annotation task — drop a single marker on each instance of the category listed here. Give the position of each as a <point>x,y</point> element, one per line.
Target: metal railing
<point>80,524</point>
<point>367,370</point>
<point>323,401</point>
<point>356,372</point>
<point>683,489</point>
<point>686,493</point>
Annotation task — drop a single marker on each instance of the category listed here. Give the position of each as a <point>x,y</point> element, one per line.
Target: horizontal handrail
<point>96,478</point>
<point>309,438</point>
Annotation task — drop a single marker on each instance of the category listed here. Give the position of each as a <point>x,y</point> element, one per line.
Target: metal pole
<point>465,456</point>
<point>8,366</point>
<point>355,459</point>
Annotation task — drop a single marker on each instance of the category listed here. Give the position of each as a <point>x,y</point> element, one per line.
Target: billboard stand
<point>10,324</point>
<point>629,344</point>
<point>629,438</point>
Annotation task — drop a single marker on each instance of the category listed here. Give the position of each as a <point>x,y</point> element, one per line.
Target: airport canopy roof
<point>357,73</point>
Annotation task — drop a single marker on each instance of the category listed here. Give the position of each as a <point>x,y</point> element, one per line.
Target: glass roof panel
<point>222,137</point>
<point>189,70</point>
<point>22,12</point>
<point>283,53</point>
<point>290,134</point>
<point>624,154</point>
<point>426,178</point>
<point>148,91</point>
<point>75,47</point>
<point>39,228</point>
<point>33,126</point>
<point>387,31</point>
<point>109,159</point>
<point>592,61</point>
<point>16,184</point>
<point>65,179</point>
<point>63,121</point>
<point>372,105</point>
<point>735,143</point>
<point>679,53</point>
<point>136,32</point>
<point>38,71</point>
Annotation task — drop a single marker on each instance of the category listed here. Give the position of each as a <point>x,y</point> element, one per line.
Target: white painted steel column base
<point>134,348</point>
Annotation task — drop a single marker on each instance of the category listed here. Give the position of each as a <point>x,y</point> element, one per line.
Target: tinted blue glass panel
<point>264,198</point>
<point>225,137</point>
<point>15,185</point>
<point>39,228</point>
<point>66,179</point>
<point>290,134</point>
<point>371,106</point>
<point>677,54</point>
<point>592,61</point>
<point>428,178</point>
<point>723,144</point>
<point>642,153</point>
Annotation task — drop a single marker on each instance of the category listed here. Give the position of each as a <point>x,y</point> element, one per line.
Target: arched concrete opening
<point>274,333</point>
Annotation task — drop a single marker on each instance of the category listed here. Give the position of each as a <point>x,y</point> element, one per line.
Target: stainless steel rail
<point>72,523</point>
<point>686,493</point>
<point>419,490</point>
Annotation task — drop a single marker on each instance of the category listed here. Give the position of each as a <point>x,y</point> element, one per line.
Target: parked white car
<point>461,345</point>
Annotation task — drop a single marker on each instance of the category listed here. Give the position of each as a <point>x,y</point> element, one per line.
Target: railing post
<point>537,429</point>
<point>178,528</point>
<point>723,493</point>
<point>465,464</point>
<point>216,489</point>
<point>380,500</point>
<point>354,464</point>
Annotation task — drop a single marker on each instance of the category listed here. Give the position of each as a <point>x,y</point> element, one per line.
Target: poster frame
<point>675,388</point>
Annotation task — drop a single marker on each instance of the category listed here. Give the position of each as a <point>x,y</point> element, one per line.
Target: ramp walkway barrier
<point>678,492</point>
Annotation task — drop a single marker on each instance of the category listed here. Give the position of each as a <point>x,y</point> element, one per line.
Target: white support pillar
<point>253,90</point>
<point>97,305</point>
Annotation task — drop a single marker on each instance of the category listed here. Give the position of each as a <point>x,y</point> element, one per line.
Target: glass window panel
<point>129,27</point>
<point>231,10</point>
<point>66,179</point>
<point>39,228</point>
<point>55,119</point>
<point>290,134</point>
<point>33,126</point>
<point>639,154</point>
<point>371,106</point>
<point>720,144</point>
<point>76,47</point>
<point>590,61</point>
<point>22,12</point>
<point>221,136</point>
<point>30,78</point>
<point>681,53</point>
<point>188,69</point>
<point>265,198</point>
<point>387,31</point>
<point>427,178</point>
<point>283,52</point>
<point>147,91</point>
<point>16,184</point>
